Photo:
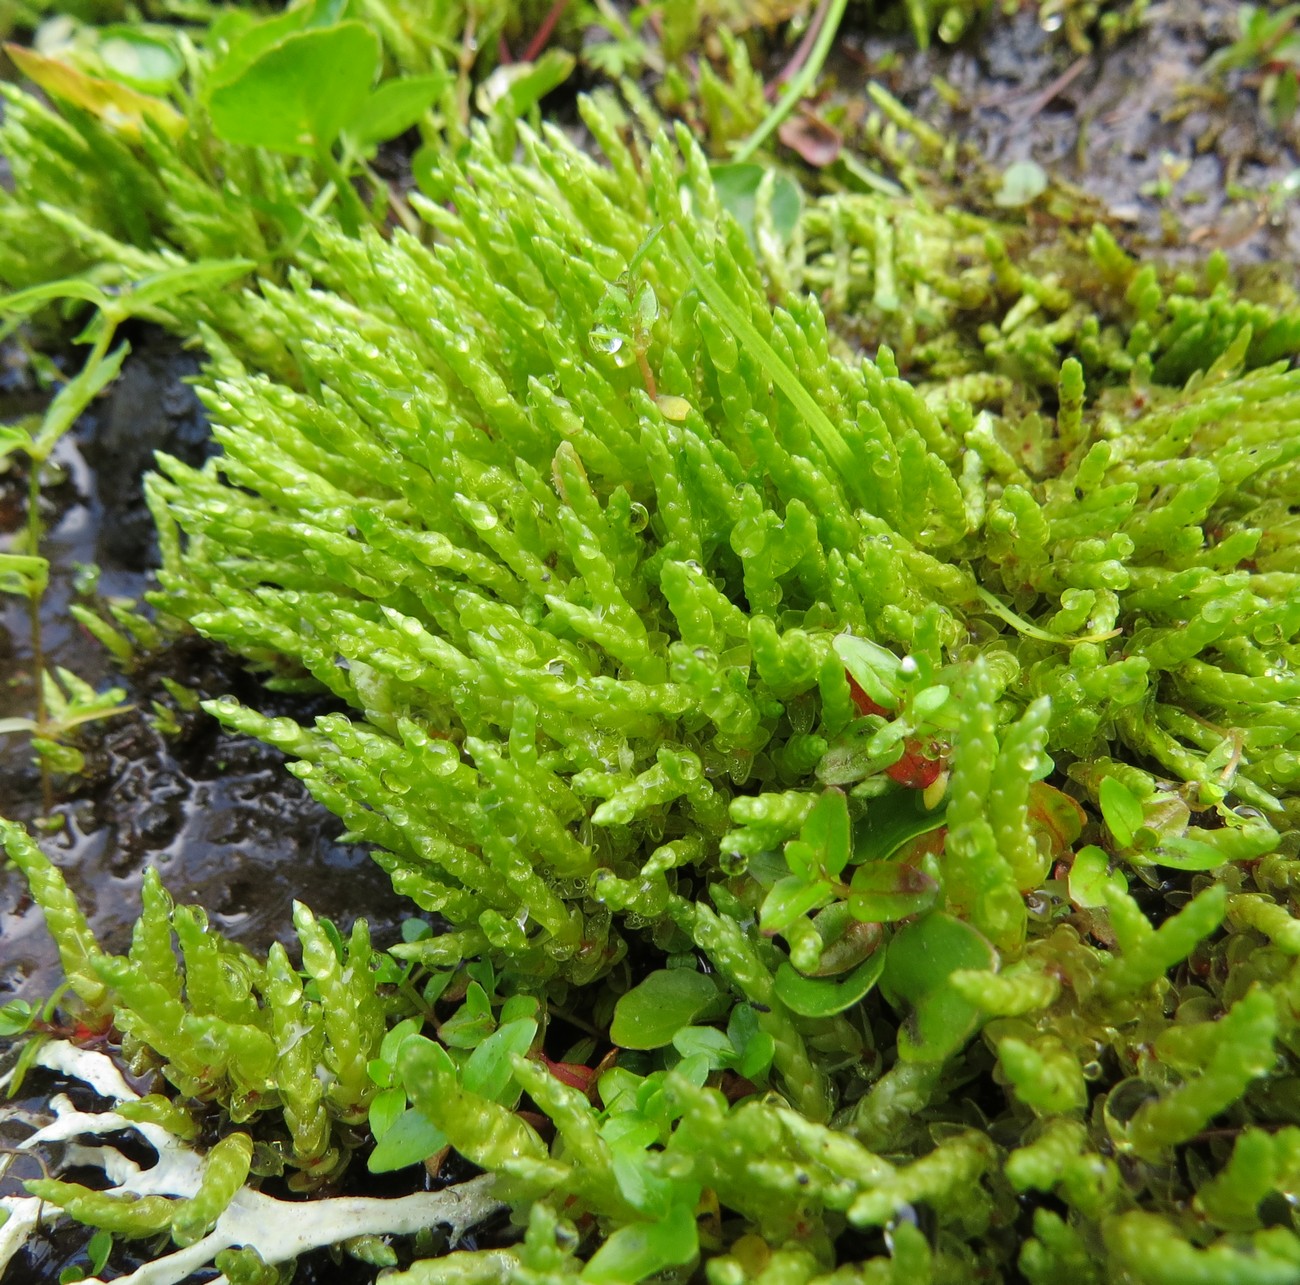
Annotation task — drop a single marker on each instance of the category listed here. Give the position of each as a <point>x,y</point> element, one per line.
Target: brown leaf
<point>815,141</point>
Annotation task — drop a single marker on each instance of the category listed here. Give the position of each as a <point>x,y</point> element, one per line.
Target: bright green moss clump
<point>909,789</point>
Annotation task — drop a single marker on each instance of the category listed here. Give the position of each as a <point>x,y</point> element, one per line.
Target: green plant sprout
<point>64,703</point>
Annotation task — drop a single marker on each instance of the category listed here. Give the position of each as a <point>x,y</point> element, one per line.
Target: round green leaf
<point>883,891</point>
<point>810,998</point>
<point>299,94</point>
<point>143,61</point>
<point>921,958</point>
<point>737,187</point>
<point>1022,183</point>
<point>640,1250</point>
<point>650,1014</point>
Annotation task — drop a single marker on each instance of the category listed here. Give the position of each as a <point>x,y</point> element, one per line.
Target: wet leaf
<point>891,821</point>
<point>641,1250</point>
<point>1182,853</point>
<point>846,941</point>
<point>885,891</point>
<point>788,899</point>
<point>297,96</point>
<point>1122,810</point>
<point>811,998</point>
<point>921,958</point>
<point>872,667</point>
<point>827,831</point>
<point>1090,876</point>
<point>1056,819</point>
<point>409,1139</point>
<point>488,1071</point>
<point>385,1108</point>
<point>651,1013</point>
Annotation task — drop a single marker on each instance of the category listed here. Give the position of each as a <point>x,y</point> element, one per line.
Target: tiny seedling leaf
<point>738,187</point>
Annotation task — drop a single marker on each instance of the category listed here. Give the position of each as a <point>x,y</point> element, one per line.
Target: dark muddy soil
<point>226,826</point>
<point>1184,161</point>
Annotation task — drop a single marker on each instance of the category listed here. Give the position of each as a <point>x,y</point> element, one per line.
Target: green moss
<point>935,725</point>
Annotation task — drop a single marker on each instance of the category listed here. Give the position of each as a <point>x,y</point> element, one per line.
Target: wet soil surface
<point>1186,161</point>
<point>223,822</point>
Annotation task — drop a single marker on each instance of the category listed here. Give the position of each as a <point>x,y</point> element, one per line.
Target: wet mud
<point>1182,161</point>
<point>226,826</point>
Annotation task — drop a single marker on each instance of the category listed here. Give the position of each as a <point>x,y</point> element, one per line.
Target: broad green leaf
<point>482,1131</point>
<point>121,108</point>
<point>920,960</point>
<point>488,1072</point>
<point>409,1139</point>
<point>393,1041</point>
<point>827,830</point>
<point>246,41</point>
<point>651,1013</point>
<point>1179,852</point>
<point>738,186</point>
<point>884,891</point>
<point>1122,810</point>
<point>850,756</point>
<point>757,1057</point>
<point>641,1250</point>
<point>893,820</point>
<point>394,107</point>
<point>1056,819</point>
<point>754,1045</point>
<point>811,998</point>
<point>788,899</point>
<point>298,95</point>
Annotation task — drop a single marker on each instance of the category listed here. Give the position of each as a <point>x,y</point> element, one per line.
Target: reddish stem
<point>538,42</point>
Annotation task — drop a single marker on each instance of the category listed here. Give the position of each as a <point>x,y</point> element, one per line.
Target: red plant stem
<point>538,42</point>
<point>800,55</point>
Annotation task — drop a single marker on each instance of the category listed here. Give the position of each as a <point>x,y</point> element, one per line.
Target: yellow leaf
<point>120,107</point>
